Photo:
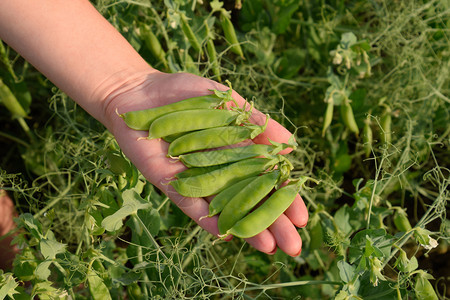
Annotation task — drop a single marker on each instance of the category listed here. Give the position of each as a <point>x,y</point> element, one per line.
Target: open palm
<point>149,156</point>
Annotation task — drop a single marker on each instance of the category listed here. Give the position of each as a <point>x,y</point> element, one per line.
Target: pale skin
<point>82,54</point>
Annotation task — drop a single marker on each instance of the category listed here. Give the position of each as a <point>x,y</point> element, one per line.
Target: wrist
<point>124,92</point>
<point>117,90</point>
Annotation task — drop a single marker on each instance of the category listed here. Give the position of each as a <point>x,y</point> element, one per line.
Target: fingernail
<point>273,251</point>
<point>299,252</point>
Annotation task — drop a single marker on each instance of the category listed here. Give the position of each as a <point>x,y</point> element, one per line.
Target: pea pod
<point>153,44</point>
<point>217,157</point>
<point>328,116</point>
<point>173,137</point>
<point>266,214</point>
<point>401,221</point>
<point>189,33</point>
<point>367,137</point>
<point>142,119</point>
<point>244,201</point>
<point>423,288</point>
<point>10,101</point>
<point>212,54</point>
<point>230,33</point>
<point>213,138</point>
<point>189,65</point>
<point>349,118</point>
<point>218,202</point>
<point>214,182</point>
<point>97,286</point>
<point>197,171</point>
<point>190,120</point>
<point>134,291</point>
<point>386,130</point>
<point>316,232</point>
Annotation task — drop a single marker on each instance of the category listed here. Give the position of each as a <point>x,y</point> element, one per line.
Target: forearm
<point>73,46</point>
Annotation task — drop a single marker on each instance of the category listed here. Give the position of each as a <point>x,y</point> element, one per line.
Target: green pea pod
<point>244,201</point>
<point>117,163</point>
<point>316,233</point>
<point>386,130</point>
<point>197,171</point>
<point>134,291</point>
<point>367,137</point>
<point>173,137</point>
<point>349,118</point>
<point>423,288</point>
<point>266,214</point>
<point>97,287</point>
<point>401,221</point>
<point>153,44</point>
<point>142,119</point>
<point>189,33</point>
<point>188,63</point>
<point>213,138</point>
<point>218,202</point>
<point>214,182</point>
<point>328,116</point>
<point>223,156</point>
<point>10,101</point>
<point>212,55</point>
<point>230,33</point>
<point>190,120</point>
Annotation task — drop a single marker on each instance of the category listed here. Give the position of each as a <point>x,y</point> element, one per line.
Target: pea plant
<point>363,87</point>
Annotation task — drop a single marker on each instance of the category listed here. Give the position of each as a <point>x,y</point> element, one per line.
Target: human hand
<point>149,156</point>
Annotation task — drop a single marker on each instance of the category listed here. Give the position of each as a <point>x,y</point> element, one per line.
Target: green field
<point>365,87</point>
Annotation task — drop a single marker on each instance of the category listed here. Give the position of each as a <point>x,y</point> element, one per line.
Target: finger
<point>297,212</point>
<point>150,155</point>
<point>195,208</point>
<point>286,236</point>
<point>274,130</point>
<point>264,242</point>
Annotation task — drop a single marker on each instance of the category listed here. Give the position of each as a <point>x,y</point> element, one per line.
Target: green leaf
<point>152,221</point>
<point>128,278</point>
<point>8,285</point>
<point>44,290</point>
<point>380,238</point>
<point>25,264</point>
<point>342,295</point>
<point>370,249</point>
<point>348,39</point>
<point>42,271</point>
<point>32,225</point>
<point>342,219</point>
<point>333,79</point>
<point>288,65</point>
<point>49,248</point>
<point>362,265</point>
<point>346,271</point>
<point>383,291</point>
<point>283,17</point>
<point>404,264</point>
<point>132,202</point>
<point>216,5</point>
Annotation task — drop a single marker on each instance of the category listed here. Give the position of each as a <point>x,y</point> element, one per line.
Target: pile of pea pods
<point>240,177</point>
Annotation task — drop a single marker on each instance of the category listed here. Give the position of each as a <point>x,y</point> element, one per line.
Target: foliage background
<point>67,175</point>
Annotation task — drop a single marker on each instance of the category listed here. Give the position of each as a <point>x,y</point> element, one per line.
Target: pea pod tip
<point>120,115</point>
<point>204,217</point>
